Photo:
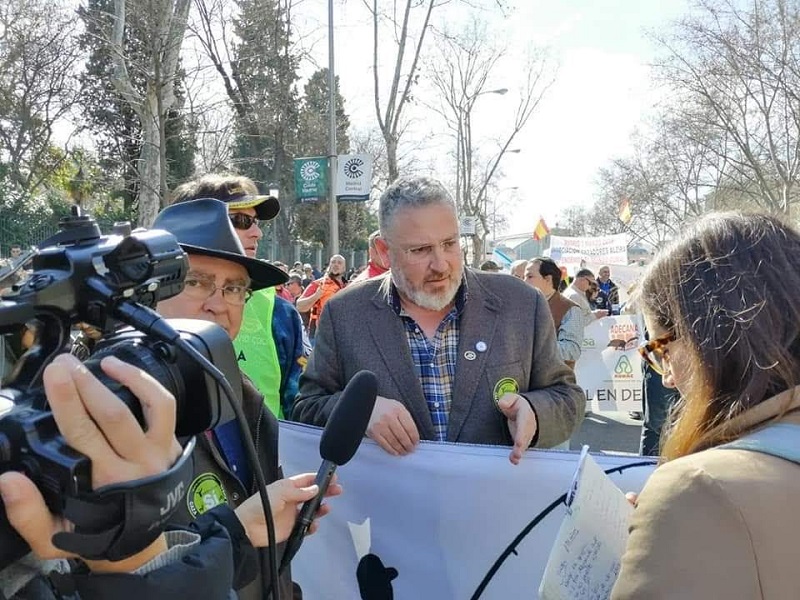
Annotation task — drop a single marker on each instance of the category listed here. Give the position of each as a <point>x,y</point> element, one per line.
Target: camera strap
<point>119,520</point>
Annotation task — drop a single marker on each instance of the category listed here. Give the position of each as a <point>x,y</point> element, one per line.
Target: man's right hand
<point>285,498</point>
<point>392,427</point>
<point>95,422</point>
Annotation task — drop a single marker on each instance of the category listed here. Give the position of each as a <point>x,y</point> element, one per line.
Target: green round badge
<point>504,386</point>
<point>205,493</point>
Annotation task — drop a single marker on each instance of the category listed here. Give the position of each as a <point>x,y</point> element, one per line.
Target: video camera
<point>106,282</point>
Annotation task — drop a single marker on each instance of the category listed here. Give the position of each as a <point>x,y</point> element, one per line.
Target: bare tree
<point>734,69</point>
<point>672,177</point>
<point>410,30</point>
<point>166,22</point>
<point>460,72</point>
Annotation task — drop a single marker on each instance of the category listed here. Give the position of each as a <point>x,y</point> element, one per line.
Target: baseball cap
<point>267,207</point>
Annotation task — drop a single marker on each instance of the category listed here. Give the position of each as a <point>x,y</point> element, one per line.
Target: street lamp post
<point>333,214</point>
<point>463,118</point>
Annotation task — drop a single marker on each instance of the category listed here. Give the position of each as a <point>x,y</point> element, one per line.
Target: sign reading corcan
<point>609,369</point>
<point>354,177</point>
<point>311,178</point>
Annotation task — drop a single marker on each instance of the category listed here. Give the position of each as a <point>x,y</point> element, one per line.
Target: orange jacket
<point>329,288</point>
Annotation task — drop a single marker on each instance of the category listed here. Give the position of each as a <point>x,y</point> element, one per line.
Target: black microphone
<point>340,440</point>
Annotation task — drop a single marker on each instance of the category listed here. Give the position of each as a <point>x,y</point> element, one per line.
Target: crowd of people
<point>462,355</point>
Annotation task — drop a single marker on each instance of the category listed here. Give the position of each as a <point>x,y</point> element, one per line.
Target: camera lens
<point>146,358</point>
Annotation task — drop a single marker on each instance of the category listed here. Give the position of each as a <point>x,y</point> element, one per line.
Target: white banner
<point>353,177</point>
<point>605,250</point>
<point>610,368</point>
<point>437,523</point>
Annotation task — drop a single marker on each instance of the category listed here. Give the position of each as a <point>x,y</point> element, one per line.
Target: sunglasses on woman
<point>243,220</point>
<point>655,351</point>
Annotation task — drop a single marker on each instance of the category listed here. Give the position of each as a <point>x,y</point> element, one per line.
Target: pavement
<point>609,431</point>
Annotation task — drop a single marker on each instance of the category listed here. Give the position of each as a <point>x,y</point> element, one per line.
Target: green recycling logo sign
<point>624,369</point>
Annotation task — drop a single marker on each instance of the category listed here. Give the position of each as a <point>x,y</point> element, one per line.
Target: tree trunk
<point>391,158</point>
<point>149,166</point>
<point>478,253</point>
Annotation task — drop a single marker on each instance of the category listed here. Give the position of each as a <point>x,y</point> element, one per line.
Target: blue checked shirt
<point>434,360</point>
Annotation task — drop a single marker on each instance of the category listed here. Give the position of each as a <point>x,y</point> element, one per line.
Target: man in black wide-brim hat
<point>219,282</point>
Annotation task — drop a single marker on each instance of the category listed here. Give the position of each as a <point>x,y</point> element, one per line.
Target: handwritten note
<point>585,559</point>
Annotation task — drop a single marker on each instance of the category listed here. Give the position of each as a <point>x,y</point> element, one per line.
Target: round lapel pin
<point>481,346</point>
<point>506,385</point>
<point>470,355</point>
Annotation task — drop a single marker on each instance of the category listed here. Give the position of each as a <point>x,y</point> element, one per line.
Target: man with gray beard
<point>460,355</point>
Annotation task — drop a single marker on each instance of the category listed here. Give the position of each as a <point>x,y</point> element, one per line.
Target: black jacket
<point>209,461</point>
<point>207,571</point>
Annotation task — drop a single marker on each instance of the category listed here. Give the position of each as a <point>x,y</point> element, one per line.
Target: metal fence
<point>25,230</point>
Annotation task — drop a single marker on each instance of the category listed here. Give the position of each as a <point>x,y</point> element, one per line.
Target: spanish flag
<point>625,214</point>
<point>541,230</point>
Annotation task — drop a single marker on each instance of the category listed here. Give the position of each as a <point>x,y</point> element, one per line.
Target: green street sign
<point>311,178</point>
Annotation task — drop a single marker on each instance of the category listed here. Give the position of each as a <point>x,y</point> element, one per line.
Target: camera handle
<point>117,521</point>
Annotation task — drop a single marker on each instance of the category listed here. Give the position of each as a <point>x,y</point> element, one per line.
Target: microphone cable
<point>151,323</point>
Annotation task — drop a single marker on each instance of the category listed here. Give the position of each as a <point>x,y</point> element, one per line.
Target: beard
<point>429,301</point>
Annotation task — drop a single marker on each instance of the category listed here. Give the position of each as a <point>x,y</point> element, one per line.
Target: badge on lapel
<point>506,385</point>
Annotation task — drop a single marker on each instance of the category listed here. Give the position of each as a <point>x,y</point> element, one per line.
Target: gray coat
<point>359,330</point>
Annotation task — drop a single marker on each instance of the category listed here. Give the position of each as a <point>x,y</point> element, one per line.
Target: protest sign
<point>438,523</point>
<point>610,368</point>
<point>604,249</point>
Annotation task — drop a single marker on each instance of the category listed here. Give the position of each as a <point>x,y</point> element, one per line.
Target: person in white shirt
<point>576,292</point>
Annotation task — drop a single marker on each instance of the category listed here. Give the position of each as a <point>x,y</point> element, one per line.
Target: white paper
<point>585,559</point>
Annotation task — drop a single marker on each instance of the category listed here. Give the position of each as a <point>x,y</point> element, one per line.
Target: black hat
<point>202,227</point>
<point>267,207</point>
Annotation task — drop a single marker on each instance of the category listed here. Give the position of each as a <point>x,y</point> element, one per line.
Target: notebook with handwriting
<point>585,559</point>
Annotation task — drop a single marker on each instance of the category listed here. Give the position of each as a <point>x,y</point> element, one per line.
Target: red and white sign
<point>604,250</point>
<point>610,368</point>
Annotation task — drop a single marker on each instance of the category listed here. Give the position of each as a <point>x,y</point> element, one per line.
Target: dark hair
<point>728,289</point>
<point>592,292</point>
<point>213,186</point>
<point>584,273</point>
<point>547,266</point>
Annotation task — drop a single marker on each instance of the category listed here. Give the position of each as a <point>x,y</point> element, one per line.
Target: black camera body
<point>106,282</point>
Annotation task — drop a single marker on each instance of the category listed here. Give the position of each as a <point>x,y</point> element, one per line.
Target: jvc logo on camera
<point>172,499</point>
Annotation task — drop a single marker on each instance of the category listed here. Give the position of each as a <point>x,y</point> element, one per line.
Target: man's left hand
<point>521,423</point>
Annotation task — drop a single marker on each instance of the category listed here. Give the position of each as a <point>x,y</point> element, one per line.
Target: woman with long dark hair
<point>718,517</point>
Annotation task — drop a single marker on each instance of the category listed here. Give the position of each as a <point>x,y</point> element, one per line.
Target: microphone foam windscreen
<point>349,419</point>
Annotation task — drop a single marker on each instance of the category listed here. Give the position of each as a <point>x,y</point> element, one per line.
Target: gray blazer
<point>360,330</point>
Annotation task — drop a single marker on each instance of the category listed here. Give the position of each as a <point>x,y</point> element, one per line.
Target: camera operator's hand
<point>96,423</point>
<point>285,497</point>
